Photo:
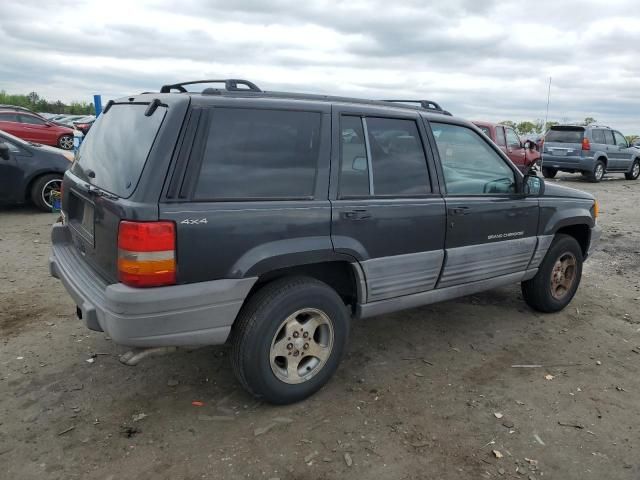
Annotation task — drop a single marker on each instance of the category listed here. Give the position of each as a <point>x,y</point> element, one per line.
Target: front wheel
<point>65,142</point>
<point>558,277</point>
<point>549,172</point>
<point>288,339</point>
<point>635,171</point>
<point>44,191</point>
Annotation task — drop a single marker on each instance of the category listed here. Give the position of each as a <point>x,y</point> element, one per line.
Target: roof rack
<point>426,104</point>
<point>230,85</point>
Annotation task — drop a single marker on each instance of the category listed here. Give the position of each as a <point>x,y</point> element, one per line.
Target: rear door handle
<point>357,214</point>
<point>459,211</point>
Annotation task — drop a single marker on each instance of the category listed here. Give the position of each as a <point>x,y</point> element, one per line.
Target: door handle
<point>357,214</point>
<point>459,211</point>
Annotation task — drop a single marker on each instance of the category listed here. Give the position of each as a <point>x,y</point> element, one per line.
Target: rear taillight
<point>147,253</point>
<point>585,144</point>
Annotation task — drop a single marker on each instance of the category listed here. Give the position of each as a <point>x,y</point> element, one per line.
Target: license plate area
<point>81,216</point>
<point>559,153</point>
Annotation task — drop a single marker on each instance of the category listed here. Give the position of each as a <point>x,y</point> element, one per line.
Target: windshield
<point>117,146</point>
<point>565,135</point>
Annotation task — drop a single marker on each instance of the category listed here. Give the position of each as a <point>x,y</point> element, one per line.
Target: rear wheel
<point>558,277</point>
<point>598,172</point>
<point>635,171</point>
<point>548,172</point>
<point>65,142</point>
<point>44,190</point>
<point>289,338</point>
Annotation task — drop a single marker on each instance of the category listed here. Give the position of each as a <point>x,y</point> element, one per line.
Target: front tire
<point>548,172</point>
<point>558,277</point>
<point>65,142</point>
<point>288,339</point>
<point>43,191</point>
<point>635,171</point>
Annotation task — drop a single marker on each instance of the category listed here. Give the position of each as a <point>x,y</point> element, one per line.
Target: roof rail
<point>230,85</point>
<point>426,104</point>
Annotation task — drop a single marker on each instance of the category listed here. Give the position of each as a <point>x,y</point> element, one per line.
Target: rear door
<point>387,213</point>
<point>10,123</point>
<point>491,229</point>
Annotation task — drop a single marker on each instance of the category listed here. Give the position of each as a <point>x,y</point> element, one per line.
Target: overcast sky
<point>481,59</point>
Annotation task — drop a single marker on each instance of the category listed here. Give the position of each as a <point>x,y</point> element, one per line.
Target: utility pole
<point>546,117</point>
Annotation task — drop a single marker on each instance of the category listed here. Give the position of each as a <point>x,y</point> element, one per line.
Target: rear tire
<point>280,324</point>
<point>635,171</point>
<point>42,189</point>
<point>65,142</point>
<point>558,276</point>
<point>598,172</point>
<point>548,172</point>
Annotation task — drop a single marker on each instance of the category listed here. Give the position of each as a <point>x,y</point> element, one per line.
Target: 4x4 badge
<point>194,221</point>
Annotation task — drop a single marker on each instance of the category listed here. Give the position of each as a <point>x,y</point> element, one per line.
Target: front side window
<point>252,154</point>
<point>620,140</point>
<point>8,117</point>
<point>470,165</point>
<point>512,139</point>
<point>382,157</point>
<point>30,119</point>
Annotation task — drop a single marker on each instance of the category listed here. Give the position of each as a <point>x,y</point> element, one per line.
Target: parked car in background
<point>67,120</point>
<point>271,220</point>
<point>30,171</point>
<point>591,150</point>
<point>524,155</point>
<point>15,108</point>
<point>84,124</point>
<point>33,128</point>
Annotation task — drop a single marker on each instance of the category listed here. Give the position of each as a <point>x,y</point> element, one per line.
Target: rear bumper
<point>571,162</point>
<point>180,315</point>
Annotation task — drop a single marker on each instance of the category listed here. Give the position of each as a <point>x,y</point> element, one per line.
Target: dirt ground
<point>418,395</point>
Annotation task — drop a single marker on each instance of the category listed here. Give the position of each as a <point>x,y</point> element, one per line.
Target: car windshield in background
<point>565,135</point>
<point>117,146</point>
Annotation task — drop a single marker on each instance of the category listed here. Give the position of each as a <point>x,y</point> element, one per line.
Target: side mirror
<point>533,185</point>
<point>359,164</point>
<point>4,151</point>
<point>48,125</point>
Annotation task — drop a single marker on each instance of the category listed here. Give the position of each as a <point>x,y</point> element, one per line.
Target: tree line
<point>35,102</point>
<point>539,127</point>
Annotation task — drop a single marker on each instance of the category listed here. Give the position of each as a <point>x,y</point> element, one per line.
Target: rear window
<point>117,146</point>
<point>564,135</point>
<point>256,154</point>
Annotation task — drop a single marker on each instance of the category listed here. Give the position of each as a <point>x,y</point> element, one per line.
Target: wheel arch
<point>34,178</point>
<point>581,232</point>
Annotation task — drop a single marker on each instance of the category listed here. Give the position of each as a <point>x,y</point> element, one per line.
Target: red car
<point>524,155</point>
<point>34,128</point>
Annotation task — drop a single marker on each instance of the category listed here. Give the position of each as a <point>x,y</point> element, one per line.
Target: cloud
<point>483,60</point>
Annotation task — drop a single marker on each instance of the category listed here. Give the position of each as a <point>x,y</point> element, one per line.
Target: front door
<point>515,151</point>
<point>491,229</point>
<point>621,154</point>
<point>35,129</point>
<point>11,175</point>
<point>387,212</point>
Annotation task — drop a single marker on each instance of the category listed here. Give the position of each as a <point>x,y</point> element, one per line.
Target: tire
<point>597,173</point>
<point>65,142</point>
<point>262,330</point>
<point>41,191</point>
<point>549,172</point>
<point>544,294</point>
<point>635,171</point>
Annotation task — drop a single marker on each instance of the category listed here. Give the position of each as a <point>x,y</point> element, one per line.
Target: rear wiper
<point>100,192</point>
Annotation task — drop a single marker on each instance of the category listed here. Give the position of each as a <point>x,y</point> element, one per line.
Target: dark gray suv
<point>592,150</point>
<point>271,220</point>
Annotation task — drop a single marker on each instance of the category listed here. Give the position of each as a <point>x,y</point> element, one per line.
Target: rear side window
<point>485,130</point>
<point>500,139</point>
<point>117,146</point>
<point>8,117</point>
<point>565,135</point>
<point>608,136</point>
<point>253,154</point>
<point>598,136</point>
<point>382,157</point>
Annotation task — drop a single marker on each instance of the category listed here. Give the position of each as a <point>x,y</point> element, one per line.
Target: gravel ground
<point>426,393</point>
